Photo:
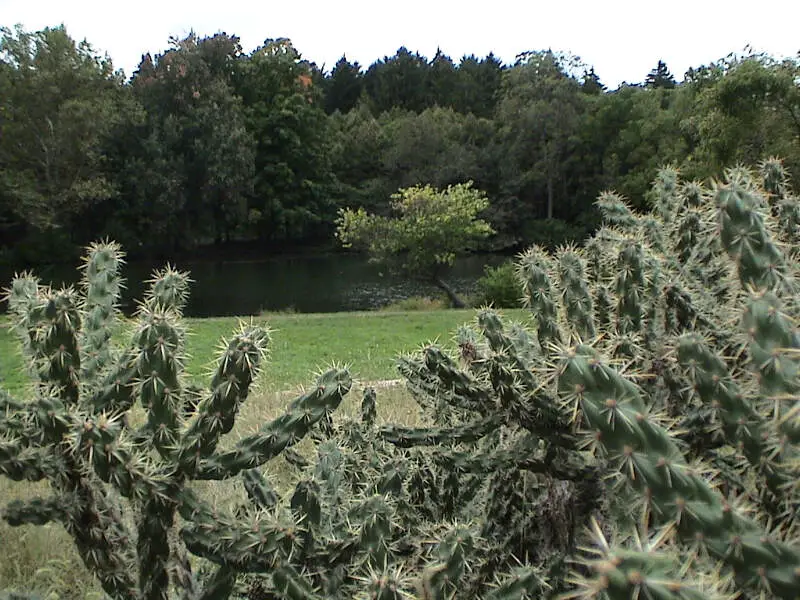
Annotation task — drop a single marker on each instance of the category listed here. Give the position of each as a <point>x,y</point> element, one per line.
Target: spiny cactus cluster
<point>76,434</point>
<point>638,440</point>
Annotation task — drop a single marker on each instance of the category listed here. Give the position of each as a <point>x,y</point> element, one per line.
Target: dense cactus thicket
<point>638,440</point>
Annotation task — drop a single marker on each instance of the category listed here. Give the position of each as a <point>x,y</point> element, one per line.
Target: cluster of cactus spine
<point>642,443</point>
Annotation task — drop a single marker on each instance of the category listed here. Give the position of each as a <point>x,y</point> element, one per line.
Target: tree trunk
<point>455,301</point>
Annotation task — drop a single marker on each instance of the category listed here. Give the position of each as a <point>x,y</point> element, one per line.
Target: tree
<point>195,145</point>
<point>398,81</point>
<point>292,196</point>
<point>538,117</point>
<point>751,112</point>
<point>442,81</point>
<point>478,85</point>
<point>358,143</point>
<point>58,101</point>
<point>660,77</point>
<point>633,131</point>
<point>591,83</point>
<point>344,86</point>
<point>431,228</point>
<point>438,146</point>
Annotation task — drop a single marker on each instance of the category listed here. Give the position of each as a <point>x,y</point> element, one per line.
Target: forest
<point>205,146</point>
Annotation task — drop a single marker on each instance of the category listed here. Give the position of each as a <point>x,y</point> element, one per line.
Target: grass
<point>368,342</point>
<point>43,559</point>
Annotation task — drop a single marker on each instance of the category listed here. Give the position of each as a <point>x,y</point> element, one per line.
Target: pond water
<point>329,283</point>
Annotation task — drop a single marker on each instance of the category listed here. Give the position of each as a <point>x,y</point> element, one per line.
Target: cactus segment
<point>746,239</point>
<point>285,431</point>
<point>259,490</point>
<point>102,286</point>
<point>575,296</point>
<point>615,211</point>
<point>775,355</point>
<point>406,437</point>
<point>237,368</point>
<point>533,270</point>
<point>369,411</point>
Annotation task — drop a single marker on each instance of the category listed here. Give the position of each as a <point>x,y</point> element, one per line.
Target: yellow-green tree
<point>428,230</point>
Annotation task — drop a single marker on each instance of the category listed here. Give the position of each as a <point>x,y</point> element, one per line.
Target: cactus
<point>665,195</point>
<point>746,237</point>
<point>616,211</point>
<point>74,433</point>
<point>579,307</point>
<point>640,572</point>
<point>641,441</point>
<point>533,270</point>
<point>630,284</point>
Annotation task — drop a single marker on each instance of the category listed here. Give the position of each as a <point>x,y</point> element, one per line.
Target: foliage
<point>58,102</point>
<point>499,287</point>
<point>194,140</point>
<point>205,144</point>
<point>344,86</point>
<point>430,229</point>
<point>660,77</point>
<point>537,118</point>
<point>285,113</point>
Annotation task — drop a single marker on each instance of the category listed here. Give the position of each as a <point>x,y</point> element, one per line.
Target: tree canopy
<point>206,144</point>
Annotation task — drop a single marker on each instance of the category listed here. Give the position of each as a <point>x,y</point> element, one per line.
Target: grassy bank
<point>43,559</point>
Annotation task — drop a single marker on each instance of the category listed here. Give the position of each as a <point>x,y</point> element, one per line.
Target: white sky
<point>622,39</point>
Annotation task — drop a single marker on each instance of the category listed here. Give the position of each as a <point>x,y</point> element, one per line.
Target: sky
<point>623,40</point>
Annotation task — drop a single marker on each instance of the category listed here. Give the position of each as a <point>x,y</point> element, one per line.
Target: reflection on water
<point>304,284</point>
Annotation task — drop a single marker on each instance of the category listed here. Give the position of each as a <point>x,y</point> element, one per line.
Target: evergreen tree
<point>478,85</point>
<point>398,82</point>
<point>660,77</point>
<point>344,86</point>
<point>591,83</point>
<point>442,81</point>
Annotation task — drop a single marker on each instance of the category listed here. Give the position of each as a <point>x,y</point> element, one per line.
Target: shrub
<point>499,287</point>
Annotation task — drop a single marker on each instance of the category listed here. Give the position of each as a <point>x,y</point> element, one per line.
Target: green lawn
<point>368,342</point>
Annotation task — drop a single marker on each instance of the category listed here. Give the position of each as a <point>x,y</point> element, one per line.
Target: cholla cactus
<point>75,434</point>
<point>649,419</point>
<point>682,392</point>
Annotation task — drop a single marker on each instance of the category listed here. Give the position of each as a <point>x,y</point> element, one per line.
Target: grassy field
<point>368,342</point>
<point>43,559</point>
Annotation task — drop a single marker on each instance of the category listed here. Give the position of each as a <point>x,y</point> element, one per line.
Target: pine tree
<point>660,77</point>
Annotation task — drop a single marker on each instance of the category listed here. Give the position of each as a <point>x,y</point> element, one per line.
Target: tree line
<point>206,145</point>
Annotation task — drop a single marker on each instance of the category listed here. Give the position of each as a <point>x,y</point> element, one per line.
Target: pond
<point>328,283</point>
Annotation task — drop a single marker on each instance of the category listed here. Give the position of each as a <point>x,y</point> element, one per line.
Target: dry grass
<point>43,560</point>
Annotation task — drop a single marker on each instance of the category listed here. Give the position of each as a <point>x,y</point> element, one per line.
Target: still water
<point>329,283</point>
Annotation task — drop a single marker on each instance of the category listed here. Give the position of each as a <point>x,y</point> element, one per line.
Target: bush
<point>499,287</point>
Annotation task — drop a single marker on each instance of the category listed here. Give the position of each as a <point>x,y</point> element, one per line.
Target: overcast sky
<point>622,39</point>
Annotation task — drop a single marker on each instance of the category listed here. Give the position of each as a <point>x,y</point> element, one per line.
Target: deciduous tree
<point>429,230</point>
